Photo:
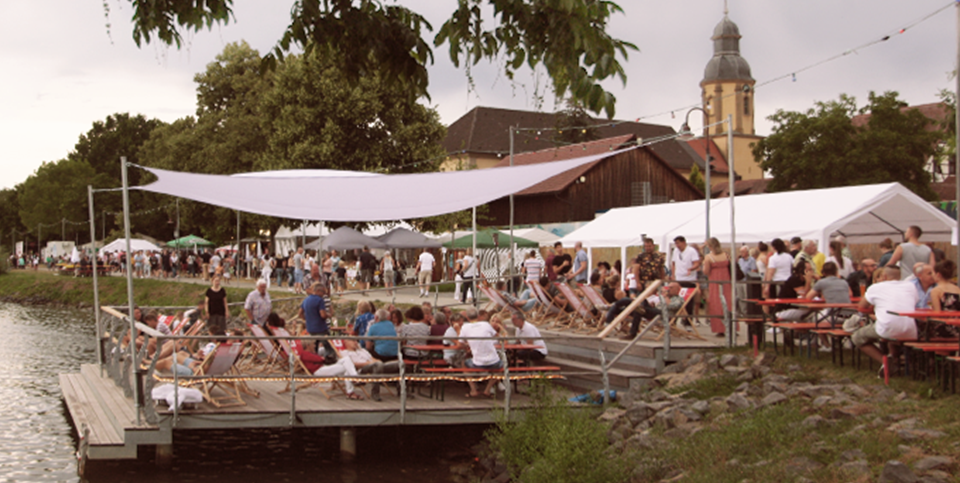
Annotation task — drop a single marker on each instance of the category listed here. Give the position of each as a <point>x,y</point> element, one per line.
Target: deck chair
<point>585,318</point>
<point>546,302</point>
<point>593,298</point>
<point>339,346</point>
<point>263,346</point>
<point>221,363</point>
<point>673,324</point>
<point>290,347</point>
<point>494,296</point>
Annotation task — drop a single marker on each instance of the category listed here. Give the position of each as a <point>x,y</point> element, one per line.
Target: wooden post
<point>630,308</point>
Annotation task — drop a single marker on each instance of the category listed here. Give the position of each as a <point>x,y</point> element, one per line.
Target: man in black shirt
<point>205,270</point>
<point>368,263</point>
<point>562,262</point>
<point>796,244</point>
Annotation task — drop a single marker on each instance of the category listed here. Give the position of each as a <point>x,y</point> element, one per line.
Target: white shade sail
<point>358,197</point>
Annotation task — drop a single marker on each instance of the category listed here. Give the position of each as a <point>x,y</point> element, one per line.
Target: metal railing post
<point>606,378</point>
<point>506,382</point>
<point>293,387</point>
<point>403,384</point>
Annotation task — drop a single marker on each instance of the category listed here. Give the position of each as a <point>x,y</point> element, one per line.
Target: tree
<point>567,37</point>
<point>9,215</point>
<point>57,191</point>
<point>697,179</point>
<point>574,125</point>
<point>821,148</point>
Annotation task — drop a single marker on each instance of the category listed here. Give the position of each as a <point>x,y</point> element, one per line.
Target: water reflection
<point>39,444</point>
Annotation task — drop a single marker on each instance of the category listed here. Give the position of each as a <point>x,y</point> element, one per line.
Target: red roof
<point>566,178</point>
<point>719,164</point>
<point>741,187</point>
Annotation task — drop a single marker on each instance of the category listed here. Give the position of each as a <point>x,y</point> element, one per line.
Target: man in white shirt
<point>528,334</point>
<point>469,267</point>
<point>484,353</point>
<point>684,263</point>
<point>425,271</point>
<point>367,364</point>
<point>890,294</point>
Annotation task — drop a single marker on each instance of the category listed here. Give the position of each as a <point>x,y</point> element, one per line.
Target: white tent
<point>863,214</point>
<point>136,244</point>
<point>539,235</point>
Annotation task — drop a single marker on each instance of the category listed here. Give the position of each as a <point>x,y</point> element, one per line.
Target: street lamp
<point>686,134</point>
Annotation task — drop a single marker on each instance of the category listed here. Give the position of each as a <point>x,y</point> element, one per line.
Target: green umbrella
<point>189,241</point>
<point>485,240</point>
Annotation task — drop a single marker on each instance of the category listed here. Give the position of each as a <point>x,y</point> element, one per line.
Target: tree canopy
<point>567,38</point>
<point>822,148</point>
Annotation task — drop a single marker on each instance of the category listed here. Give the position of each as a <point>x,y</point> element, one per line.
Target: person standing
<point>216,264</point>
<point>548,262</point>
<point>716,267</point>
<point>175,263</point>
<point>387,271</point>
<point>298,271</point>
<point>469,274</point>
<point>266,268</point>
<point>649,265</point>
<point>425,271</point>
<point>562,263</point>
<point>368,263</point>
<point>215,305</point>
<point>912,252</point>
<point>258,305</point>
<point>580,264</point>
<point>685,263</point>
<point>205,264</point>
<point>532,267</point>
<point>313,310</point>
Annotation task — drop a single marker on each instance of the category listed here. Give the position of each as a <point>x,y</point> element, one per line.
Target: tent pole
<point>133,326</point>
<point>96,293</point>
<point>731,337</point>
<point>956,128</point>
<point>512,249</point>
<point>476,259</point>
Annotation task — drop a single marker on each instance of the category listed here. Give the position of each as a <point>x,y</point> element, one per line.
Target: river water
<point>38,443</point>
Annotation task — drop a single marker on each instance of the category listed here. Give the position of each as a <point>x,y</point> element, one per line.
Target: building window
<point>746,105</point>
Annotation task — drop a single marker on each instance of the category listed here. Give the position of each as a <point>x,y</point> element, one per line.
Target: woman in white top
<point>779,266</point>
<point>844,264</point>
<point>386,270</point>
<point>266,268</point>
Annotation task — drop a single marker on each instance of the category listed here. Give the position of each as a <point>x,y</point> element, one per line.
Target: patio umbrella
<point>189,241</point>
<point>485,240</point>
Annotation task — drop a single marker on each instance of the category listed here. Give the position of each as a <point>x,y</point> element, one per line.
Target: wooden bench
<point>836,337</point>
<point>467,371</point>
<point>921,357</point>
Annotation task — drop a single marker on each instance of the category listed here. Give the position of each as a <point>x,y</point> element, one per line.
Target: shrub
<point>556,443</point>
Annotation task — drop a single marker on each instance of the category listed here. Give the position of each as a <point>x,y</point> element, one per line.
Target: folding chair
<point>593,298</point>
<point>292,347</point>
<point>587,319</point>
<point>546,303</point>
<point>221,363</point>
<point>688,295</point>
<point>262,346</point>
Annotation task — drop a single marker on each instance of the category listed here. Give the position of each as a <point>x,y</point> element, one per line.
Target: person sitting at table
<point>453,355</point>
<point>427,308</point>
<point>483,352</point>
<point>844,264</point>
<point>799,283</point>
<point>382,326</point>
<point>946,294</point>
<point>439,327</point>
<point>779,267</point>
<point>528,333</point>
<point>890,294</point>
<point>413,331</point>
<point>862,277</point>
<point>832,290</point>
<point>365,363</point>
<point>923,281</point>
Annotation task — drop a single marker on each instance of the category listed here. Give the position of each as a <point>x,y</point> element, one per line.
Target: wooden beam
<point>650,290</point>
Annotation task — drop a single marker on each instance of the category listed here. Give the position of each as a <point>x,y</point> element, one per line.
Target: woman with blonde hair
<point>716,266</point>
<point>362,318</point>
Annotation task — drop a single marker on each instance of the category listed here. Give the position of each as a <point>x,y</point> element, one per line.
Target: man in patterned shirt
<point>649,265</point>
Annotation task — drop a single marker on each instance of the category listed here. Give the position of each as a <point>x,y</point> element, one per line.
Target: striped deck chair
<point>222,363</point>
<point>292,347</point>
<point>559,314</point>
<point>688,294</point>
<point>584,318</point>
<point>593,298</point>
<point>268,348</point>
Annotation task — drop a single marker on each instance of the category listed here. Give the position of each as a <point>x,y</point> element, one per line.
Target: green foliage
<point>821,148</point>
<point>55,192</point>
<point>708,387</point>
<point>375,37</point>
<point>10,212</point>
<point>696,178</point>
<point>555,443</point>
<point>4,262</point>
<point>573,125</point>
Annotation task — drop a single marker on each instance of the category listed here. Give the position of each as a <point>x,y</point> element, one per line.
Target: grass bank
<point>41,287</point>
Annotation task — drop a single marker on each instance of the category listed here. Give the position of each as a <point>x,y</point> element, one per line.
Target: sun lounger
<point>683,313</point>
<point>547,309</point>
<point>584,318</point>
<point>221,362</point>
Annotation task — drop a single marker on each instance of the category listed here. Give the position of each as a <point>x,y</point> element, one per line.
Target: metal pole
<point>103,229</point>
<point>39,227</point>
<point>96,292</point>
<point>63,229</point>
<point>956,172</point>
<point>706,166</point>
<point>476,261</point>
<point>512,250</point>
<point>733,236</point>
<point>133,327</point>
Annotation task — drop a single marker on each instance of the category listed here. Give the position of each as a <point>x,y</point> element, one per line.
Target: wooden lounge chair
<point>593,298</point>
<point>585,318</point>
<point>292,346</point>
<point>272,359</point>
<point>221,362</point>
<point>546,303</point>
<point>674,325</point>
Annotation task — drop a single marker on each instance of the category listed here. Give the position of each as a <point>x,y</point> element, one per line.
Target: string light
<point>188,381</point>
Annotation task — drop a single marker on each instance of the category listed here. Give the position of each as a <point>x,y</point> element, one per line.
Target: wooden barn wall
<point>607,185</point>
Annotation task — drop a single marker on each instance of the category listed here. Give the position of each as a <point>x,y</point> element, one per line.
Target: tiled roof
<point>741,187</point>
<point>719,164</point>
<point>485,130</point>
<point>562,180</point>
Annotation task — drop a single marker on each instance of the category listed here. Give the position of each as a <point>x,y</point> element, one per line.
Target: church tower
<point>727,88</point>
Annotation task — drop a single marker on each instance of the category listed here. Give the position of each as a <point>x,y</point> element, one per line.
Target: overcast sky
<point>64,68</point>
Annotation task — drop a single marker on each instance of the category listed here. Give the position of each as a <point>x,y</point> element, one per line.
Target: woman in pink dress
<point>716,266</point>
